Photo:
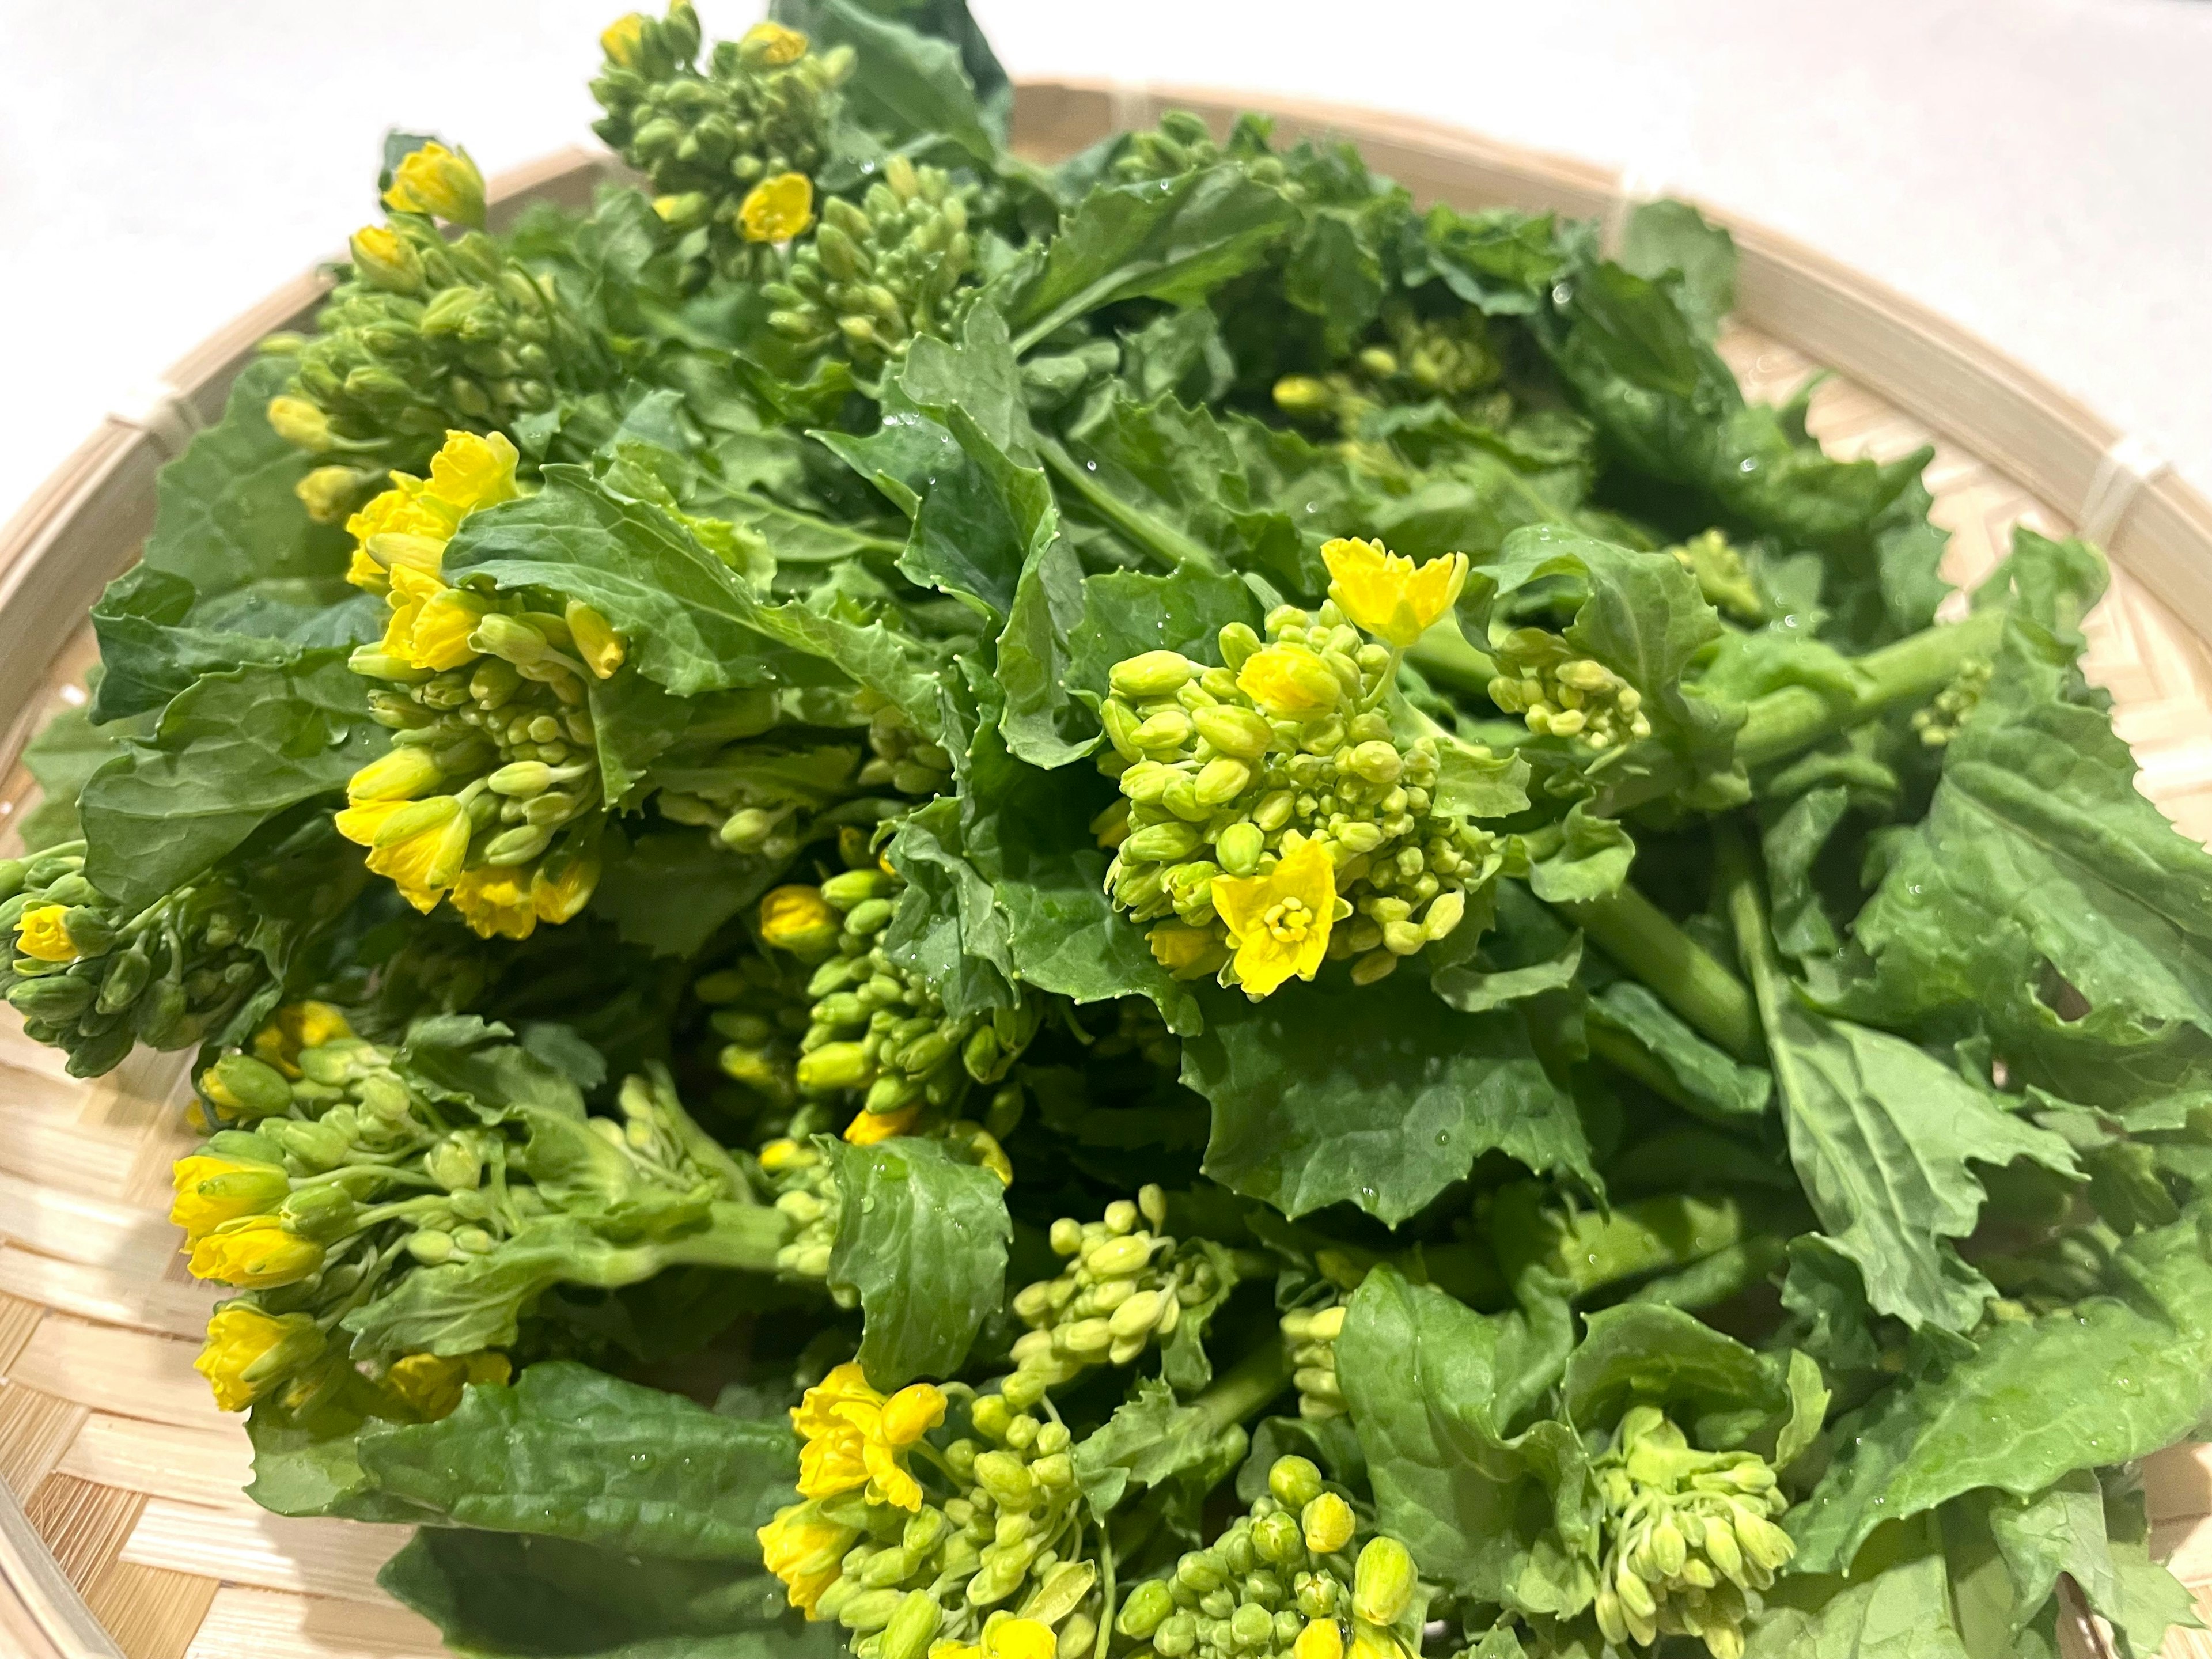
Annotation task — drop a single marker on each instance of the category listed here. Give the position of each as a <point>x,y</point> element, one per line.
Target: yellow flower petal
<point>247,1350</point>
<point>805,1550</point>
<point>1280,920</point>
<point>440,182</point>
<point>431,1384</point>
<point>563,884</point>
<point>623,40</point>
<point>42,933</point>
<point>1185,951</point>
<point>1385,594</point>
<point>1019,1639</point>
<point>255,1254</point>
<point>867,1128</point>
<point>771,44</point>
<point>1290,682</point>
<point>212,1190</point>
<point>359,823</point>
<point>398,774</point>
<point>597,642</point>
<point>776,210</point>
<point>439,636</point>
<point>798,918</point>
<point>472,471</point>
<point>911,1412</point>
<point>496,901</point>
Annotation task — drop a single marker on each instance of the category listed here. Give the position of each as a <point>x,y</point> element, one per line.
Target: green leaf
<point>1176,240</point>
<point>1590,862</point>
<point>671,889</point>
<point>1433,1389</point>
<point>1152,1442</point>
<point>67,749</point>
<point>2043,899</point>
<point>949,929</point>
<point>567,1452</point>
<point>1378,1096</point>
<point>1501,262</point>
<point>906,84</point>
<point>2104,1382</point>
<point>923,1241</point>
<point>315,1469</point>
<point>1898,1608</point>
<point>1642,1353</point>
<point>228,755</point>
<point>502,1594</point>
<point>1672,242</point>
<point>1711,1083</point>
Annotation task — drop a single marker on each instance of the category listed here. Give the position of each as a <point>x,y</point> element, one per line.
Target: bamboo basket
<point>124,1533</point>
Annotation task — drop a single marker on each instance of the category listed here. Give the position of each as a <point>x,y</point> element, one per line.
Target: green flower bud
<point>239,1085</point>
<point>323,1213</point>
<point>1162,843</point>
<point>1199,1570</point>
<point>1328,1523</point>
<point>56,998</point>
<point>430,1246</point>
<point>1154,674</point>
<point>1383,1582</point>
<point>1221,780</point>
<point>833,1066</point>
<point>1242,733</point>
<point>1278,1538</point>
<point>1149,1605</point>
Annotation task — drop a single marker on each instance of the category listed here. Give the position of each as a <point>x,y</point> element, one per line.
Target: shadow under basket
<point>122,1526</point>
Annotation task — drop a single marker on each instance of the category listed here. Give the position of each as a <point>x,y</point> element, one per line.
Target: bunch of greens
<point>1313,949</point>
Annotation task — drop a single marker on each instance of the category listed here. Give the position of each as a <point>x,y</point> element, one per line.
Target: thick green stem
<point>1164,541</point>
<point>1690,978</point>
<point>1240,1392</point>
<point>742,1236</point>
<point>1746,913</point>
<point>1445,658</point>
<point>1783,722</point>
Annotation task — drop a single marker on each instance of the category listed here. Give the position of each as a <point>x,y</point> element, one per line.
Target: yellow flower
<point>300,423</point>
<point>597,642</point>
<point>771,44</point>
<point>247,1350</point>
<point>398,774</point>
<point>300,1025</point>
<point>387,260</point>
<point>431,1384</point>
<point>855,1438</point>
<point>211,1190</point>
<point>1322,1638</point>
<point>563,885</point>
<point>776,210</point>
<point>1018,1639</point>
<point>440,182</point>
<point>867,1128</point>
<point>43,932</point>
<point>1280,921</point>
<point>798,918</point>
<point>623,40</point>
<point>805,1549</point>
<point>425,860</point>
<point>496,901</point>
<point>780,1154</point>
<point>1384,593</point>
<point>1290,682</point>
<point>255,1253</point>
<point>472,471</point>
<point>439,638</point>
<point>1185,951</point>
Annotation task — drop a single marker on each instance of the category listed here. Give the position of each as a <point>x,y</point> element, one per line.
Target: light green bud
<point>871,1610</point>
<point>1117,1258</point>
<point>521,778</point>
<point>1121,723</point>
<point>850,887</point>
<point>1378,762</point>
<point>1238,643</point>
<point>1006,1477</point>
<point>1154,674</point>
<point>1221,780</point>
<point>1251,1627</point>
<point>1295,1482</point>
<point>1149,1605</point>
<point>834,1066</point>
<point>1383,1582</point>
<point>241,1086</point>
<point>430,1246</point>
<point>1328,1523</point>
<point>1137,1315</point>
<point>908,1634</point>
<point>1085,1339</point>
<point>1239,848</point>
<point>1066,1236</point>
<point>1162,843</point>
<point>1167,731</point>
<point>1240,733</point>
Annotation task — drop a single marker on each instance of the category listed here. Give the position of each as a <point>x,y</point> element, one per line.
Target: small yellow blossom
<point>300,423</point>
<point>496,901</point>
<point>411,523</point>
<point>623,40</point>
<point>563,884</point>
<point>300,1025</point>
<point>776,210</point>
<point>386,259</point>
<point>247,1350</point>
<point>597,642</point>
<point>771,44</point>
<point>1280,920</point>
<point>867,1128</point>
<point>255,1253</point>
<point>1289,682</point>
<point>798,918</point>
<point>856,1438</point>
<point>1018,1639</point>
<point>212,1190</point>
<point>805,1549</point>
<point>42,932</point>
<point>426,860</point>
<point>472,471</point>
<point>1385,594</point>
<point>440,182</point>
<point>440,639</point>
<point>431,1384</point>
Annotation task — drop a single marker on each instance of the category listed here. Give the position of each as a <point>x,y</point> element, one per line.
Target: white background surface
<point>2040,170</point>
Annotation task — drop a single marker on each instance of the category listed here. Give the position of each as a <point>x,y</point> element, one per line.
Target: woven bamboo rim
<point>124,1533</point>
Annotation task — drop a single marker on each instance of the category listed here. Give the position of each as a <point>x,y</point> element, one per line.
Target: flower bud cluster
<point>1418,358</point>
<point>807,1193</point>
<point>1309,1340</point>
<point>1560,695</point>
<point>757,1017</point>
<point>92,980</point>
<point>761,113</point>
<point>1283,1582</point>
<point>1126,1284</point>
<point>765,798</point>
<point>1181,143</point>
<point>1223,770</point>
<point>421,336</point>
<point>337,1176</point>
<point>1938,722</point>
<point>1689,1536</point>
<point>875,1026</point>
<point>1722,577</point>
<point>491,786</point>
<point>881,271</point>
